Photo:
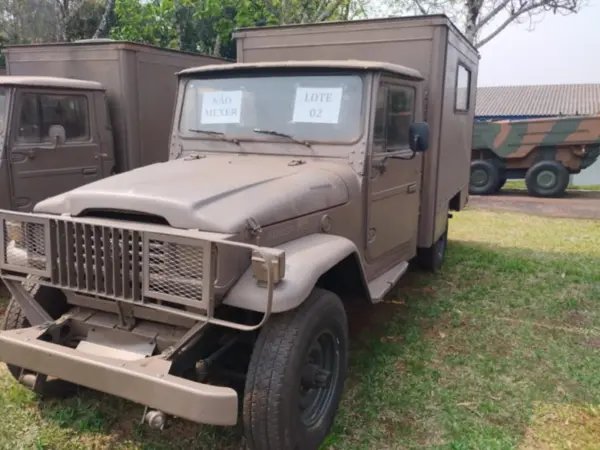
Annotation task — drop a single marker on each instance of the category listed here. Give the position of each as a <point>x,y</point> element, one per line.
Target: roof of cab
<point>397,69</point>
<point>50,82</point>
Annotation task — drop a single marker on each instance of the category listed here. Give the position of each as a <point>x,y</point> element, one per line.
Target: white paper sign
<point>221,107</point>
<point>317,105</point>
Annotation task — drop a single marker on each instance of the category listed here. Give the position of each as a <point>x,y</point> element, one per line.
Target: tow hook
<point>155,419</point>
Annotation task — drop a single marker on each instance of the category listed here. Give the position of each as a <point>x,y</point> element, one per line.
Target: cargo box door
<point>40,166</point>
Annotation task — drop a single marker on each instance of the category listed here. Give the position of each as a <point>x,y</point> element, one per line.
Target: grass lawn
<point>501,350</point>
<point>520,185</point>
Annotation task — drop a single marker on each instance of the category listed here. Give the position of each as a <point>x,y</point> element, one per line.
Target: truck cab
<point>216,281</point>
<point>55,135</point>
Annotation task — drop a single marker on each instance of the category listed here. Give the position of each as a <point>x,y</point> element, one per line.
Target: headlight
<point>259,266</point>
<point>14,232</point>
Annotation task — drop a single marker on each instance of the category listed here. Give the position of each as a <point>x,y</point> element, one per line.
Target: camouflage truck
<point>215,283</point>
<point>545,152</point>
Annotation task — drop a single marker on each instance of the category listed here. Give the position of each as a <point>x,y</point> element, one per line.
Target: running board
<point>382,284</point>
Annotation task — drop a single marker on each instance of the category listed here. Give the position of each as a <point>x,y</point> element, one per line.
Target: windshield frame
<point>364,75</point>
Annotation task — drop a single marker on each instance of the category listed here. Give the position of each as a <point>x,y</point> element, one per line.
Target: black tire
<point>432,258</point>
<point>547,179</point>
<point>14,318</point>
<point>500,185</point>
<point>484,178</point>
<point>272,414</point>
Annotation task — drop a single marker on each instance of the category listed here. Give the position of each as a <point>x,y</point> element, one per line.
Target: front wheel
<point>484,177</point>
<point>55,304</point>
<point>296,376</point>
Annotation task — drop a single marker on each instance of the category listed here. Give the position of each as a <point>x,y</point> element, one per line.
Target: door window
<point>39,112</point>
<point>393,115</point>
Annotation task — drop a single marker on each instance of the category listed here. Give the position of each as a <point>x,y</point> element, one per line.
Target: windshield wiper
<point>280,134</point>
<point>215,133</point>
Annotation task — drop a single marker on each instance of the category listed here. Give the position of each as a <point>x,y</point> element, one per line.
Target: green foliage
<point>206,25</point>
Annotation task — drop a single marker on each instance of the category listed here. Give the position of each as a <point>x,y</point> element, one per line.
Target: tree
<point>206,25</point>
<point>482,20</point>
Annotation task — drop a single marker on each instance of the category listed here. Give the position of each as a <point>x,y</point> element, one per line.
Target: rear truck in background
<point>77,112</point>
<point>544,152</point>
<point>212,287</point>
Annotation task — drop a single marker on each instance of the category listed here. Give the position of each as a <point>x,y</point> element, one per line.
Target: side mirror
<point>418,136</point>
<point>57,135</point>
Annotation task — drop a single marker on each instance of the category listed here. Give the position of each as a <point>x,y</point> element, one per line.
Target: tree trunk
<point>103,27</point>
<point>217,49</point>
<point>473,10</point>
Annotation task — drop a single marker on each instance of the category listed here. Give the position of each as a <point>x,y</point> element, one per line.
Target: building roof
<point>341,64</point>
<point>548,99</point>
<point>52,82</point>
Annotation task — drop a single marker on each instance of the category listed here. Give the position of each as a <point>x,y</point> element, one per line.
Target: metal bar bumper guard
<point>115,259</point>
<point>144,381</point>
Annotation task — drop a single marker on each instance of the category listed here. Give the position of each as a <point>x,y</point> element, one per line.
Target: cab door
<point>42,166</point>
<point>394,174</point>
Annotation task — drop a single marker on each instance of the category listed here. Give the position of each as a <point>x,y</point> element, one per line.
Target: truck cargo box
<point>140,81</point>
<point>430,44</point>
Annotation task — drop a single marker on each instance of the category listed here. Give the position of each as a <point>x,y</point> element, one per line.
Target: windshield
<point>306,107</point>
<point>2,109</point>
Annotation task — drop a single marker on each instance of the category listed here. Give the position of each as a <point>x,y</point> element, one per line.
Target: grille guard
<point>80,255</point>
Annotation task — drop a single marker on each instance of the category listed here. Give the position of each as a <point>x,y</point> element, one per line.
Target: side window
<point>30,120</point>
<point>379,127</point>
<point>400,108</point>
<point>40,111</point>
<point>463,88</point>
<point>393,116</point>
<point>70,111</point>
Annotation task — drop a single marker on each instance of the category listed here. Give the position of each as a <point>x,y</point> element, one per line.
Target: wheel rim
<point>319,378</point>
<point>546,179</point>
<point>479,177</point>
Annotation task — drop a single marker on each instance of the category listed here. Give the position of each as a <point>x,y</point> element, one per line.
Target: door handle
<point>89,171</point>
<point>412,188</point>
<point>100,155</point>
<point>20,155</point>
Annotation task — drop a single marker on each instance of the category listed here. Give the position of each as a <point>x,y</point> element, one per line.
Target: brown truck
<point>215,282</point>
<point>74,113</point>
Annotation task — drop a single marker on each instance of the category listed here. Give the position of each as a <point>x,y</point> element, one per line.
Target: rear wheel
<point>296,376</point>
<point>500,185</point>
<point>547,179</point>
<point>485,177</point>
<point>432,258</point>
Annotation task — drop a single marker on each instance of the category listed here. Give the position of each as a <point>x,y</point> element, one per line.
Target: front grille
<point>95,259</point>
<point>31,237</point>
<point>110,262</point>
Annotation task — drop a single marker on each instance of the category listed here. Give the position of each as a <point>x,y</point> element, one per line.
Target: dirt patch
<point>576,204</point>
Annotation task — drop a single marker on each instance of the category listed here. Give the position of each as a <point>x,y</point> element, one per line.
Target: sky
<point>561,49</point>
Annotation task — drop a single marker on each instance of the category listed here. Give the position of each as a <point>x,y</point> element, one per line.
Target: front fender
<point>306,259</point>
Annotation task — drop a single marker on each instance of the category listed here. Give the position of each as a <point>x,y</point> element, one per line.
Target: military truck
<point>214,284</point>
<point>544,152</point>
<point>74,113</point>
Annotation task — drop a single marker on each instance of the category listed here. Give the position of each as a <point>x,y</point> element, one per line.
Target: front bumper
<point>145,381</point>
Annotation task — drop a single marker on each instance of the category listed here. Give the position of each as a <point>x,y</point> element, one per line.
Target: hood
<point>216,193</point>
